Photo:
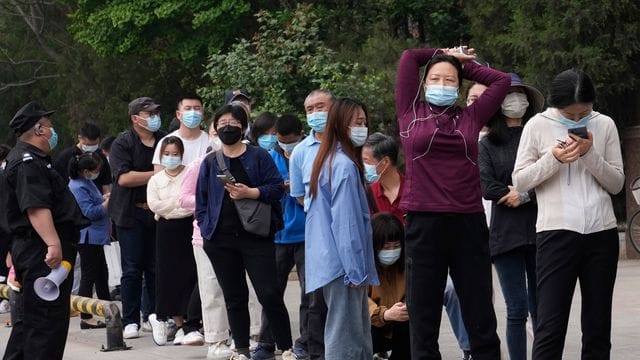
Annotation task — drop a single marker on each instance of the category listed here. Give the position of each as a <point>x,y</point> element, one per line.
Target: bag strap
<point>222,166</point>
<point>371,200</point>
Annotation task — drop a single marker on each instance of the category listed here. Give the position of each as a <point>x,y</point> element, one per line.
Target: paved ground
<point>85,344</point>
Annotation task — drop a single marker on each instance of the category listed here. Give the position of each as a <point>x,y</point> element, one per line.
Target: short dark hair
<point>383,145</point>
<point>288,124</point>
<point>106,143</point>
<point>262,124</point>
<point>79,163</point>
<point>448,59</point>
<point>90,131</point>
<point>188,97</point>
<point>172,140</point>
<point>386,227</point>
<point>237,111</point>
<point>570,87</point>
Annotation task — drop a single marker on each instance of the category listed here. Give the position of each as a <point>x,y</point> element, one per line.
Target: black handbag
<point>255,215</point>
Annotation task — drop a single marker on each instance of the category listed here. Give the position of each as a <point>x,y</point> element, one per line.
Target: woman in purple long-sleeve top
<point>446,230</point>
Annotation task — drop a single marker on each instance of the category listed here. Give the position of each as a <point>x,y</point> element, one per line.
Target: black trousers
<point>233,254</point>
<point>93,271</point>
<point>288,255</point>
<point>317,319</point>
<point>441,243</point>
<point>563,257</point>
<point>41,332</point>
<point>393,336</point>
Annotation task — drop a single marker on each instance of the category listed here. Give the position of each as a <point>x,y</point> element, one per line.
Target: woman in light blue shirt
<point>339,250</point>
<point>83,169</point>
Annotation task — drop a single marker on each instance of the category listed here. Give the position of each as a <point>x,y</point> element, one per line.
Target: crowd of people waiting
<point>211,223</point>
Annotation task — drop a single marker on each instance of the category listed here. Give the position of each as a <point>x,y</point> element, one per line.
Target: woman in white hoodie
<point>571,155</point>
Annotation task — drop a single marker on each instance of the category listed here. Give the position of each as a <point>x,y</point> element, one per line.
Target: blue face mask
<point>288,148</point>
<point>370,173</point>
<point>389,257</point>
<point>267,141</point>
<point>441,95</point>
<point>53,140</point>
<point>358,135</point>
<point>317,120</point>
<point>153,122</point>
<point>579,123</point>
<point>191,119</point>
<point>171,162</point>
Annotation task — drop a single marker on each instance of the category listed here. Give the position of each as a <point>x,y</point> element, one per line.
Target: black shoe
<point>85,325</point>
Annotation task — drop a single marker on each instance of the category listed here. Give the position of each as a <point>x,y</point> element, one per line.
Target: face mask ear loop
<point>415,99</point>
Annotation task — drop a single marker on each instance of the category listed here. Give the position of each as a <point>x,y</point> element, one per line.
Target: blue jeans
<point>347,332</point>
<point>517,274</point>
<point>452,306</point>
<point>138,252</point>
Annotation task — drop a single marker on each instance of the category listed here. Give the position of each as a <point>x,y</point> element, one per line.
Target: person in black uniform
<point>44,222</point>
<point>88,142</point>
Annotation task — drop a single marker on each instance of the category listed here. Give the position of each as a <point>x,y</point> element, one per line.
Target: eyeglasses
<point>232,122</point>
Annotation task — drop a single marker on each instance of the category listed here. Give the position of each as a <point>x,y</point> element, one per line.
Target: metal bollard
<point>111,314</point>
<point>106,309</point>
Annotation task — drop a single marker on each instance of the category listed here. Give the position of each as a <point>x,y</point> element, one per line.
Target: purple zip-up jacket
<point>441,152</point>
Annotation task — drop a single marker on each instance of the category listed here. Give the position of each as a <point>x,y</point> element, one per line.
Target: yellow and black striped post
<point>106,309</point>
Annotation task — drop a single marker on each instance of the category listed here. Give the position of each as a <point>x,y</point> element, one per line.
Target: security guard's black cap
<point>28,116</point>
<point>142,104</point>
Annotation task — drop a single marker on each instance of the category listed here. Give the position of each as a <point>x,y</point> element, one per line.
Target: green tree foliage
<point>539,39</point>
<point>173,29</point>
<point>284,61</point>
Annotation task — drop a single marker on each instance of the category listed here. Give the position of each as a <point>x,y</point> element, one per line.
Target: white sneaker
<point>289,355</point>
<point>177,338</point>
<point>4,307</point>
<point>219,351</point>
<point>236,356</point>
<point>146,327</point>
<point>254,340</point>
<point>131,331</point>
<point>159,330</point>
<point>193,338</point>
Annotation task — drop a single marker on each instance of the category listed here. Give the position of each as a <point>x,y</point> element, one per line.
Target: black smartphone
<point>225,179</point>
<point>580,131</point>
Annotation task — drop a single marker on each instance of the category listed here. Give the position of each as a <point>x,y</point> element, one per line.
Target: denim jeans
<point>516,272</point>
<point>347,332</point>
<point>452,306</point>
<point>137,248</point>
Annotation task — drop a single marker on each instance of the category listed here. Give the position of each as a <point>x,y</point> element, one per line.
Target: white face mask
<point>358,135</point>
<point>515,105</point>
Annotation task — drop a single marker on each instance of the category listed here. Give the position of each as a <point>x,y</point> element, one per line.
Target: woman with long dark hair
<point>338,252</point>
<point>571,155</point>
<point>512,233</point>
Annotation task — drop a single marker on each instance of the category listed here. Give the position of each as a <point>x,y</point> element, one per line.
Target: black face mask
<point>230,135</point>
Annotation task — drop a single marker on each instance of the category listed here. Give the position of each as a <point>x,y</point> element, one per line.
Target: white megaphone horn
<point>47,287</point>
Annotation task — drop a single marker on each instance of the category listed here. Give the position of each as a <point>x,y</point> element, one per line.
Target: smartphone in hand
<point>225,179</point>
<point>580,131</point>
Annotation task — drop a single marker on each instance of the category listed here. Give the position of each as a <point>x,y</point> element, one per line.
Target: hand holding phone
<point>225,179</point>
<point>580,131</point>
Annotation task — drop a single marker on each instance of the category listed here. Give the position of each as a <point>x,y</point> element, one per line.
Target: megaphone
<point>46,287</point>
